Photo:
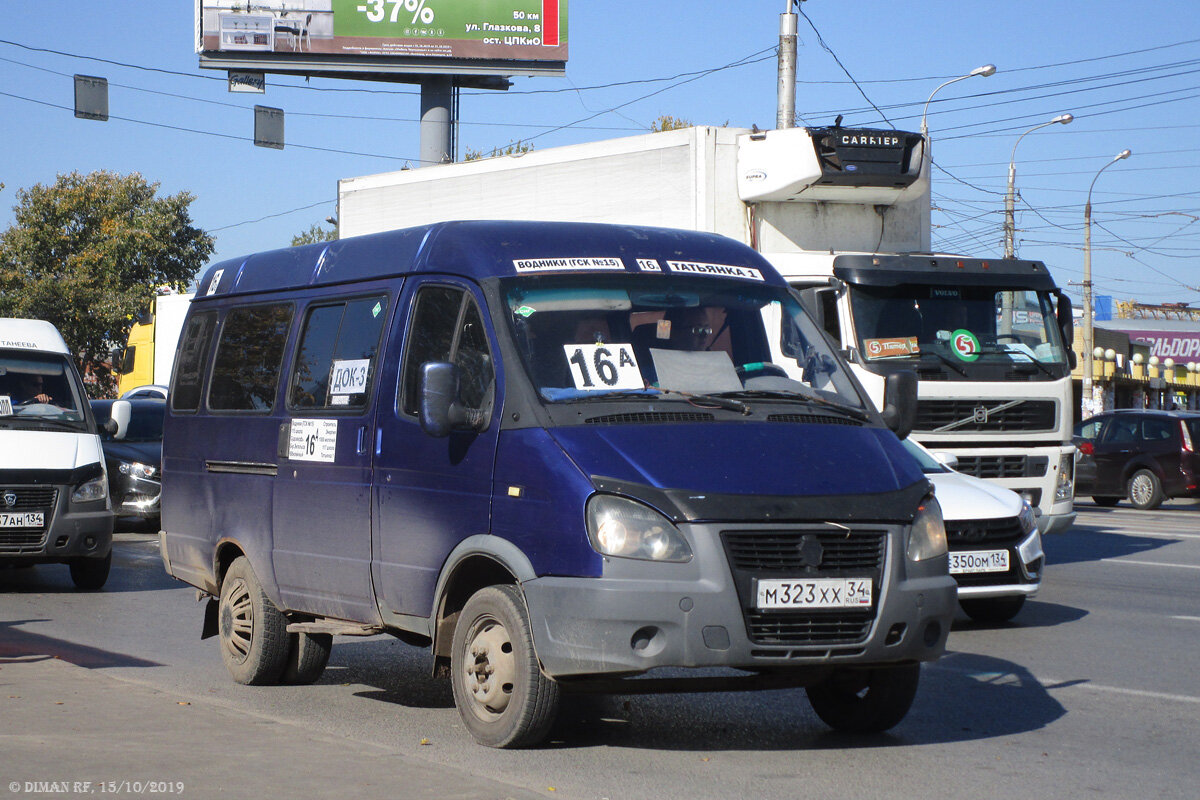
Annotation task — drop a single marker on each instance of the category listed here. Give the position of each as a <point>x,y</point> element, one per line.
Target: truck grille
<point>985,415</point>
<point>791,553</point>
<point>1003,466</point>
<point>28,498</point>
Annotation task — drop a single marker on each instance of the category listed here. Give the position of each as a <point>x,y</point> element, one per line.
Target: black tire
<point>1145,490</point>
<point>253,631</point>
<point>992,609</point>
<point>866,699</point>
<point>90,574</point>
<point>308,653</point>
<point>1105,502</point>
<point>501,694</point>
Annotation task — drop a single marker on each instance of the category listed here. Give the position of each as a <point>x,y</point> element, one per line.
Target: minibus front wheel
<point>499,689</point>
<point>865,699</point>
<point>253,631</point>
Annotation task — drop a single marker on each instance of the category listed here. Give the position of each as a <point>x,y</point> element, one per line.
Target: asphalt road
<point>1092,690</point>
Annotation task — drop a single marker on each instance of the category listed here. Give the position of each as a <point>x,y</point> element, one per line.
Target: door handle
<point>362,441</point>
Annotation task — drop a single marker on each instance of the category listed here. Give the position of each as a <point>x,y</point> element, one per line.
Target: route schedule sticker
<point>313,440</point>
<point>604,367</point>
<point>567,264</point>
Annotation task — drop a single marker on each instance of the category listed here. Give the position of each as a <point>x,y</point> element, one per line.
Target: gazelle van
<point>54,504</point>
<point>563,456</point>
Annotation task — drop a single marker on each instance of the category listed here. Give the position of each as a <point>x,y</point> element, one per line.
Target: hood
<point>963,497</point>
<point>47,450</point>
<point>755,459</point>
<point>141,452</point>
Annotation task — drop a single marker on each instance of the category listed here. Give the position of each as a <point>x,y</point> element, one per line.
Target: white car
<point>996,552</point>
<point>150,390</point>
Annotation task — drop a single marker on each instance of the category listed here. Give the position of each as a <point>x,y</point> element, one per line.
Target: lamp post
<point>1086,400</point>
<point>1010,195</point>
<point>986,71</point>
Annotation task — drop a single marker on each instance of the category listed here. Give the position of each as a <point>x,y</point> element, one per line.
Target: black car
<point>1141,455</point>
<point>134,461</point>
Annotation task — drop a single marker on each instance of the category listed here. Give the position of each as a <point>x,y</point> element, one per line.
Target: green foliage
<point>88,253</point>
<point>517,148</point>
<point>668,123</point>
<point>314,235</point>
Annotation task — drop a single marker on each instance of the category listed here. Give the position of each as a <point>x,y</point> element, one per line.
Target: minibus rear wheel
<point>253,631</point>
<point>308,653</point>
<point>865,699</point>
<point>499,689</point>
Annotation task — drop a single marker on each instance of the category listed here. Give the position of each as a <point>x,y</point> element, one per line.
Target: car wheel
<point>992,609</point>
<point>865,700</point>
<point>308,653</point>
<point>1145,490</point>
<point>502,695</point>
<point>1105,502</point>
<point>253,631</point>
<point>90,574</point>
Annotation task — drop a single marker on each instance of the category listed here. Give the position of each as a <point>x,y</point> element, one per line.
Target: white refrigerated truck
<point>843,214</point>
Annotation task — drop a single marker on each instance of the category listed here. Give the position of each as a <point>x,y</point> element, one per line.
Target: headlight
<point>927,538</point>
<point>1027,519</point>
<point>1065,490</point>
<point>624,528</point>
<point>137,469</point>
<point>90,491</point>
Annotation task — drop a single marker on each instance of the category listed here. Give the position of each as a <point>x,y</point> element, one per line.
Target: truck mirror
<point>1066,323</point>
<point>441,411</point>
<point>900,402</point>
<point>118,419</point>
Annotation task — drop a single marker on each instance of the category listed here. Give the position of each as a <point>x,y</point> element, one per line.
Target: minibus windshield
<point>612,337</point>
<point>38,387</point>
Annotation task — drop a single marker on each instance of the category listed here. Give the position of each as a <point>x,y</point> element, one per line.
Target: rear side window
<point>1156,430</point>
<point>246,368</point>
<point>1090,429</point>
<point>193,350</point>
<point>336,360</point>
<point>446,326</point>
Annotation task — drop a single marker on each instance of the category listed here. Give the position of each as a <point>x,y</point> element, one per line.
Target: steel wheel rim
<point>237,621</point>
<point>1140,489</point>
<point>489,668</point>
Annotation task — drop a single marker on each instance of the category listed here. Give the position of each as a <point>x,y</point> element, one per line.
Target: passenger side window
<point>335,363</point>
<point>446,326</point>
<point>1155,430</point>
<point>249,357</point>
<point>193,352</point>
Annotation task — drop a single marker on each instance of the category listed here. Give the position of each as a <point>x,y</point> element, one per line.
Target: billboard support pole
<point>437,119</point>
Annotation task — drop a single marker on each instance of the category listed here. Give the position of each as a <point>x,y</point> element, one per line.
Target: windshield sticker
<point>376,309</point>
<point>603,367</point>
<point>566,264</point>
<point>526,311</point>
<point>662,329</point>
<point>892,348</point>
<point>349,377</point>
<point>719,270</point>
<point>649,265</point>
<point>965,344</point>
<point>313,440</point>
<point>216,280</point>
<point>5,406</point>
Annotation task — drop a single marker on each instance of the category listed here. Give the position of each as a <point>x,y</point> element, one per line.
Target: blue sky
<point>1131,77</point>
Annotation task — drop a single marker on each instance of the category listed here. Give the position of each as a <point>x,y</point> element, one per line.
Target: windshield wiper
<point>1032,359</point>
<point>57,423</point>
<point>623,394</point>
<point>956,367</point>
<point>801,396</point>
<point>719,400</point>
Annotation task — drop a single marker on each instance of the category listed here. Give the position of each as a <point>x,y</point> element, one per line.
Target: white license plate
<point>817,593</point>
<point>978,561</point>
<point>29,519</point>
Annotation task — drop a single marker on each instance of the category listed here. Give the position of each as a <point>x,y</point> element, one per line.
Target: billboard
<point>473,37</point>
<point>1182,346</point>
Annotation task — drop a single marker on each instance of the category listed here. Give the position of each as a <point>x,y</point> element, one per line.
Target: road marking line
<point>1161,535</point>
<point>1052,684</point>
<point>1186,618</point>
<point>1150,563</point>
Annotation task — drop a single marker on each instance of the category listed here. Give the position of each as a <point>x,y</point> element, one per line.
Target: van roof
<point>31,334</point>
<point>480,249</point>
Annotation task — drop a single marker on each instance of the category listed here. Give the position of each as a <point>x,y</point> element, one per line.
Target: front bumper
<point>66,533</point>
<point>1027,561</point>
<point>134,497</point>
<point>642,615</point>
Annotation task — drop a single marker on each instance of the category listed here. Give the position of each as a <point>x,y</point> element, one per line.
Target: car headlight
<point>90,491</point>
<point>927,537</point>
<point>137,469</point>
<point>1027,519</point>
<point>624,528</point>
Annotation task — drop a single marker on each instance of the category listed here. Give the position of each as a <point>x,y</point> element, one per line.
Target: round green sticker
<point>965,344</point>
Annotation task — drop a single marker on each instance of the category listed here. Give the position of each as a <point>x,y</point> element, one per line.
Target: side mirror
<point>441,412</point>
<point>946,459</point>
<point>1066,323</point>
<point>900,402</point>
<point>118,421</point>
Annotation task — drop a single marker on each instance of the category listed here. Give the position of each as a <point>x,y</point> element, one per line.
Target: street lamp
<point>986,71</point>
<point>1086,410</point>
<point>1010,195</point>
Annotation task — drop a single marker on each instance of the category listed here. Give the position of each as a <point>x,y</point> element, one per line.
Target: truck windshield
<point>958,326</point>
<point>38,388</point>
<point>612,337</point>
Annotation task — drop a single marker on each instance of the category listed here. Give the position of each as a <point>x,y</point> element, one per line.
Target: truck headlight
<point>927,536</point>
<point>1065,490</point>
<point>624,528</point>
<point>90,491</point>
<point>137,469</point>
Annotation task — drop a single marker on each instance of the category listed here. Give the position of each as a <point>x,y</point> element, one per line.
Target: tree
<point>314,235</point>
<point>669,123</point>
<point>517,148</point>
<point>88,253</point>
